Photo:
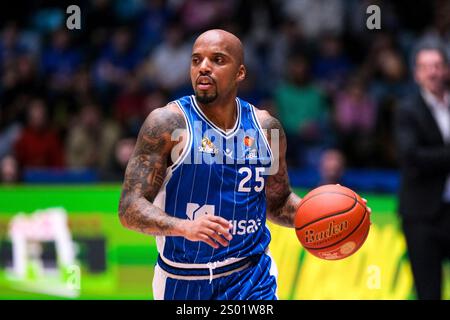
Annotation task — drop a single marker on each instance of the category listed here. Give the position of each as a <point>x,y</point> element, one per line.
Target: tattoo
<point>270,123</point>
<point>146,172</point>
<point>282,203</point>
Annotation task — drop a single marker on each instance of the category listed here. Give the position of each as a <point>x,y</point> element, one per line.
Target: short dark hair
<point>429,46</point>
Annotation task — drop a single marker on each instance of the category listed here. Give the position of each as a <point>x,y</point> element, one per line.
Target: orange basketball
<point>332,222</point>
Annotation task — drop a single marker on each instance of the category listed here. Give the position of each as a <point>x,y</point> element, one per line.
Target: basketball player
<point>206,192</point>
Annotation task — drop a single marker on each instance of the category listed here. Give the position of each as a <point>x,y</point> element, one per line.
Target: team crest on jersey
<point>248,141</point>
<point>250,151</point>
<point>208,147</point>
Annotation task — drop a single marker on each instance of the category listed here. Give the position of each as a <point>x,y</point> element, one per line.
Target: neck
<point>438,94</point>
<point>222,113</point>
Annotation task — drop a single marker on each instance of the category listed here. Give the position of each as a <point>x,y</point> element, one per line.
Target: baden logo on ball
<point>332,222</point>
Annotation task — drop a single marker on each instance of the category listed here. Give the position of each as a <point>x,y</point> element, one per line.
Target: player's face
<point>431,70</point>
<point>215,71</point>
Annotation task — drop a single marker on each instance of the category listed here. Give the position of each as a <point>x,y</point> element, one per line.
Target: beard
<point>205,98</point>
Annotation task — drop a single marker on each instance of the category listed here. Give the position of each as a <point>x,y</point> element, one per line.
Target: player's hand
<point>365,202</point>
<point>368,208</point>
<point>209,229</point>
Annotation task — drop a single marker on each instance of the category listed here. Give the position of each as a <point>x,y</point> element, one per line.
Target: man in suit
<point>422,133</point>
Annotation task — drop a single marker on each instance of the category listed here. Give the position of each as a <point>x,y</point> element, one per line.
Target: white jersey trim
<point>159,283</point>
<point>208,277</point>
<point>258,125</point>
<point>228,134</point>
<point>217,264</point>
<point>187,147</point>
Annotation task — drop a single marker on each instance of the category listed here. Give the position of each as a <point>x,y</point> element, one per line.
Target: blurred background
<point>72,103</point>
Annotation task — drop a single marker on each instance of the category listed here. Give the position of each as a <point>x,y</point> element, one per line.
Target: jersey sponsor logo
<point>240,227</point>
<point>228,153</point>
<point>250,150</point>
<point>243,227</point>
<point>243,147</point>
<point>251,154</point>
<point>194,211</point>
<point>248,141</point>
<point>208,147</point>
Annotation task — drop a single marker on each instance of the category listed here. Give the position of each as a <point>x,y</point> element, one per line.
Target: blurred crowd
<point>74,99</point>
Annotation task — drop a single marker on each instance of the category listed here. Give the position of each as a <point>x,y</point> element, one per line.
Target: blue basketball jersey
<point>220,173</point>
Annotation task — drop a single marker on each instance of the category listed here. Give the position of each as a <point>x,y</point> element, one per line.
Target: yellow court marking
<point>377,271</point>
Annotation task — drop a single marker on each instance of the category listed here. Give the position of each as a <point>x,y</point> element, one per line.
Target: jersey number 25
<point>248,173</point>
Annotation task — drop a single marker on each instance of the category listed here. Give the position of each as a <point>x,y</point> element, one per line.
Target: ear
<point>241,73</point>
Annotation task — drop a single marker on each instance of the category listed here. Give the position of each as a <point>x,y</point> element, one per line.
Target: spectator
<point>389,87</point>
<point>60,61</point>
<point>154,99</point>
<point>256,21</point>
<point>198,15</point>
<point>21,79</point>
<point>303,112</point>
<point>152,23</point>
<point>250,91</point>
<point>289,39</point>
<point>355,116</point>
<point>316,17</point>
<point>127,11</point>
<point>114,64</point>
<point>129,107</point>
<point>39,145</point>
<point>332,167</point>
<point>133,55</point>
<point>27,75</point>
<point>90,142</point>
<point>9,170</point>
<point>10,47</point>
<point>257,17</point>
<point>123,150</point>
<point>331,66</point>
<point>98,25</point>
<point>380,42</point>
<point>82,89</point>
<point>8,137</point>
<point>173,52</point>
<point>390,79</point>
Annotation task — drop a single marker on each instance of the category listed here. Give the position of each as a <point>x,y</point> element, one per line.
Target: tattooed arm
<point>282,203</point>
<point>145,174</point>
<point>144,177</point>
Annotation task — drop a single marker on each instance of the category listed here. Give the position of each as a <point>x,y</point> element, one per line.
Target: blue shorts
<point>256,280</point>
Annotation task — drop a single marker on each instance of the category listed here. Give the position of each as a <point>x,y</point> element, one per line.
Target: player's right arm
<point>144,176</point>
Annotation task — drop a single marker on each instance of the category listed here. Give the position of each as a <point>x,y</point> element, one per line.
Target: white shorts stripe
<point>159,283</point>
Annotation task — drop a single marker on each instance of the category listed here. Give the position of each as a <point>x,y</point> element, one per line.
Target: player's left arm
<point>282,202</point>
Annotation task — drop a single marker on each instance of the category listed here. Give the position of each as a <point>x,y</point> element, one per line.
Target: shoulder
<point>411,104</point>
<point>161,125</point>
<point>169,116</point>
<point>271,127</point>
<point>266,120</point>
<point>169,110</point>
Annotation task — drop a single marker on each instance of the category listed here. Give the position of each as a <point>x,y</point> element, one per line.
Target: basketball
<point>332,222</point>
